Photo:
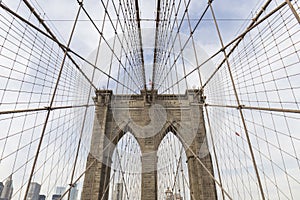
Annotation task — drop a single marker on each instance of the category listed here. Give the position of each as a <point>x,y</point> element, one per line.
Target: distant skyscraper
<point>42,197</point>
<point>1,188</point>
<point>118,193</point>
<point>34,191</point>
<point>74,193</point>
<point>7,189</point>
<point>59,192</point>
<point>56,196</point>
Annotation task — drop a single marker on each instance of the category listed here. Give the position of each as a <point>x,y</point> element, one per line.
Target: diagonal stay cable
<point>131,32</point>
<point>52,98</point>
<point>167,44</point>
<point>238,101</point>
<point>63,47</point>
<point>131,62</point>
<point>255,23</point>
<point>174,38</point>
<point>107,43</point>
<point>186,42</point>
<point>85,114</point>
<point>128,36</point>
<point>55,38</point>
<point>155,45</point>
<point>141,42</point>
<point>202,164</point>
<point>165,40</point>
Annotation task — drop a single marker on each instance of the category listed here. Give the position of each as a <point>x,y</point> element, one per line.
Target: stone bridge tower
<point>148,117</point>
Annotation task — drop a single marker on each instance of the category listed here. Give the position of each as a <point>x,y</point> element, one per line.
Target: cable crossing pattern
<point>243,58</point>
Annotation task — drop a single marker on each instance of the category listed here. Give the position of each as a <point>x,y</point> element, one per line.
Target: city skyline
<point>7,190</point>
<point>34,191</point>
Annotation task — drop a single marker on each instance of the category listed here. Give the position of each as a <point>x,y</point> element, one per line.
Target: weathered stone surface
<point>149,119</point>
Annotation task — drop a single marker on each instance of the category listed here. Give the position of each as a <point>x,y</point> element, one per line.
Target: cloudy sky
<point>265,68</point>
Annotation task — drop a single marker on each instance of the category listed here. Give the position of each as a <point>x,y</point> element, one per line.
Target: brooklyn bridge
<point>149,99</point>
